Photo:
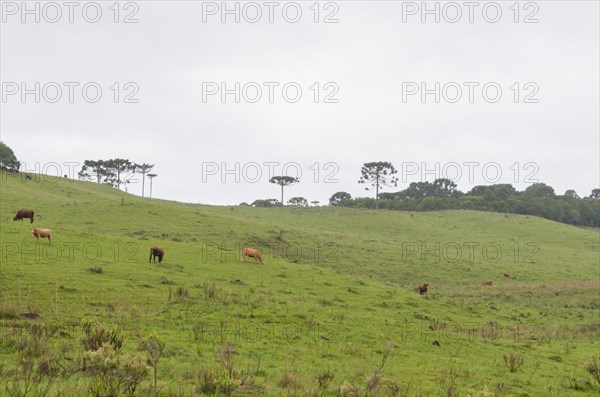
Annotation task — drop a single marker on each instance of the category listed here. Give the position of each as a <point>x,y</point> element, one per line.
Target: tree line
<point>116,172</point>
<point>537,199</point>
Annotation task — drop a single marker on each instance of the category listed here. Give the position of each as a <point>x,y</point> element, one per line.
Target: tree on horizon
<point>378,175</point>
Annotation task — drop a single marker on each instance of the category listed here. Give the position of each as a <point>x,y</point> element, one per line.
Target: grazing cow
<point>487,282</point>
<point>23,214</point>
<point>253,253</point>
<point>154,252</point>
<point>43,233</point>
<point>506,275</point>
<point>423,288</point>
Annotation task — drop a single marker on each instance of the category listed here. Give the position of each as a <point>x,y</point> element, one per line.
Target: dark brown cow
<point>506,275</point>
<point>487,283</point>
<point>43,233</point>
<point>156,252</point>
<point>24,214</point>
<point>252,253</point>
<point>423,288</point>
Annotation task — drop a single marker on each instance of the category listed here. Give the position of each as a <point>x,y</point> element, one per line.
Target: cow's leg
<point>49,242</point>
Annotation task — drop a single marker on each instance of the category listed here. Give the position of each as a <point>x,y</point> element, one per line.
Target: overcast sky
<point>370,68</point>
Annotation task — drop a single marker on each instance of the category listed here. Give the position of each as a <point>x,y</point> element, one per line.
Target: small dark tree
<point>315,202</point>
<point>378,175</point>
<point>8,160</point>
<point>595,193</point>
<point>155,348</point>
<point>283,181</point>
<point>339,196</point>
<point>299,201</point>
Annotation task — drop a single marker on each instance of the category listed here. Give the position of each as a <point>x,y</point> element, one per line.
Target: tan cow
<point>253,253</point>
<point>487,283</point>
<point>506,275</point>
<point>43,233</point>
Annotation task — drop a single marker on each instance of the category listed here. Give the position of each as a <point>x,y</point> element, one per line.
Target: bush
<point>36,369</point>
<point>513,361</point>
<point>113,375</point>
<point>324,378</point>
<point>593,367</point>
<point>8,311</point>
<point>96,335</point>
<point>210,290</point>
<point>182,293</point>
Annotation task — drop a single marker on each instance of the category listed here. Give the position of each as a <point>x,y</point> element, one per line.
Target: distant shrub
<point>348,389</point>
<point>578,384</point>
<point>287,380</point>
<point>437,325</point>
<point>210,290</point>
<point>420,316</point>
<point>324,378</point>
<point>513,361</point>
<point>182,293</point>
<point>37,366</point>
<point>208,383</point>
<point>8,311</point>
<point>593,367</point>
<point>96,335</point>
<point>112,374</point>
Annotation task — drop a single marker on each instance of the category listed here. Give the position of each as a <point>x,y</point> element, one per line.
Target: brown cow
<point>487,282</point>
<point>23,214</point>
<point>423,288</point>
<point>154,252</point>
<point>253,253</point>
<point>506,275</point>
<point>43,233</point>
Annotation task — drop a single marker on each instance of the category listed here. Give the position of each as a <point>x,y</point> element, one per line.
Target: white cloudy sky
<point>369,53</point>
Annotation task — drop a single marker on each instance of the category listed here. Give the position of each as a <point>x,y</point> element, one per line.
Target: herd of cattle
<point>158,252</point>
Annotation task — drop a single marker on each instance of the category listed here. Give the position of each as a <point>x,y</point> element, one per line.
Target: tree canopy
<point>283,181</point>
<point>378,175</point>
<point>8,160</point>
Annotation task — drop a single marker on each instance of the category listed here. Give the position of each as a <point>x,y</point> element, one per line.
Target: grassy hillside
<point>334,309</point>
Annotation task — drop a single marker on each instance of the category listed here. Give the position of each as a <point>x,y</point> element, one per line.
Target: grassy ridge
<point>337,285</point>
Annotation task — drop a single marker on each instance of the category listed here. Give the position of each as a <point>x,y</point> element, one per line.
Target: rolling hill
<point>333,310</point>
